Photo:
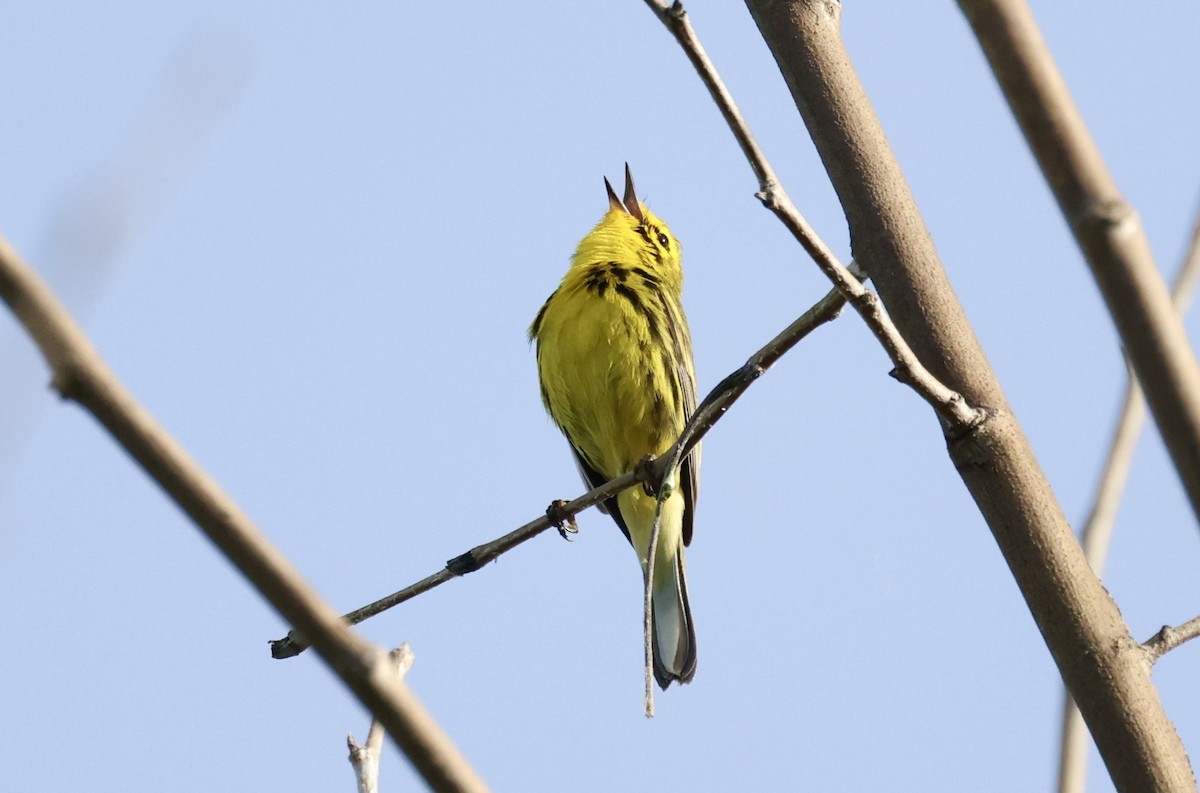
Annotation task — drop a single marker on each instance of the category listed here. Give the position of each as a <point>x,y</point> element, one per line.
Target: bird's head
<point>642,231</point>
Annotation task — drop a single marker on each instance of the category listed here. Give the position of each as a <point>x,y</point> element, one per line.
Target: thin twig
<point>951,407</point>
<point>80,374</point>
<point>1097,533</point>
<point>1169,638</point>
<point>296,642</point>
<point>365,758</point>
<point>706,416</point>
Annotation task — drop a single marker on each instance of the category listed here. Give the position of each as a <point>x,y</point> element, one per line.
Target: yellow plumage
<point>615,364</point>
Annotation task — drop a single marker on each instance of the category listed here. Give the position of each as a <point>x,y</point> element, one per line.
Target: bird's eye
<point>663,241</point>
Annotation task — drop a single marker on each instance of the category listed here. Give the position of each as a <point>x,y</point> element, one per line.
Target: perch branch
<point>719,400</point>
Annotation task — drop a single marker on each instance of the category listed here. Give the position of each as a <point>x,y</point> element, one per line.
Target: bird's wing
<point>689,470</point>
<point>591,480</point>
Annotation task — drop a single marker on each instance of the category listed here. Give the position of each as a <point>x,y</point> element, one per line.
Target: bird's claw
<point>561,519</point>
<point>645,471</point>
<point>651,484</point>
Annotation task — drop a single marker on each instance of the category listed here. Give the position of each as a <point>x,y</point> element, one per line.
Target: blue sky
<point>310,240</point>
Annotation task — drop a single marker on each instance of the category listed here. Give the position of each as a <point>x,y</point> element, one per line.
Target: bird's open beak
<point>630,204</point>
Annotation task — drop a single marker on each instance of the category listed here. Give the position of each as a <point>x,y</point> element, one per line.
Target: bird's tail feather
<point>674,636</point>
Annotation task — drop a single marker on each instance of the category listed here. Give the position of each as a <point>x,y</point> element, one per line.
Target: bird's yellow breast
<point>606,379</point>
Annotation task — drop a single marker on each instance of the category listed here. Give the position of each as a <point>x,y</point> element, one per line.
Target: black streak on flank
<point>661,410</point>
<point>672,372</point>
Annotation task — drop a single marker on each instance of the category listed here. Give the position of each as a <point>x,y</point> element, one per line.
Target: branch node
<point>869,301</point>
<point>1112,212</point>
<point>1168,638</point>
<point>965,441</point>
<point>769,195</point>
<point>289,646</point>
<point>961,419</point>
<point>463,564</point>
<point>66,381</point>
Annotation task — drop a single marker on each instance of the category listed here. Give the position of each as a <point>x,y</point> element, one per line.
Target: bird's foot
<point>561,519</point>
<point>653,482</point>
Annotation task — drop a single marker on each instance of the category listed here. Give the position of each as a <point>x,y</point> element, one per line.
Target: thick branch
<point>1106,228</point>
<point>1098,530</point>
<point>1101,664</point>
<point>79,374</point>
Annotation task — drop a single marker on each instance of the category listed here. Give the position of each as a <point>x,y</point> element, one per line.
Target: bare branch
<point>1100,662</point>
<point>80,375</point>
<point>1105,226</point>
<point>954,411</point>
<point>706,416</point>
<point>1098,530</point>
<point>674,17</point>
<point>297,642</point>
<point>1169,638</point>
<point>365,758</point>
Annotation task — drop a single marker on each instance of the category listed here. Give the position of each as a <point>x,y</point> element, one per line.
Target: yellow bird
<point>615,363</point>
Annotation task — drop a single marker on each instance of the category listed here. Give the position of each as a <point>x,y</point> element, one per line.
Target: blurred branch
<point>950,405</point>
<point>1098,530</point>
<point>1105,226</point>
<point>365,758</point>
<point>100,218</point>
<point>80,375</point>
<point>1099,660</point>
<point>708,412</point>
